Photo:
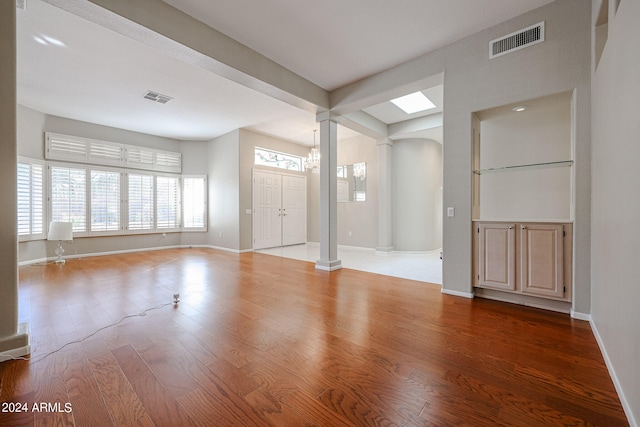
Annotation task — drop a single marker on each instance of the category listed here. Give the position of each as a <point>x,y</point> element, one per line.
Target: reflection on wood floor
<point>260,340</point>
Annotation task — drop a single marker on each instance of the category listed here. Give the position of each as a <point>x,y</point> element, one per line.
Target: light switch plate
<point>247,211</point>
<point>451,212</point>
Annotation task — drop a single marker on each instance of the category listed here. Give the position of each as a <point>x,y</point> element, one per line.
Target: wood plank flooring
<point>258,340</point>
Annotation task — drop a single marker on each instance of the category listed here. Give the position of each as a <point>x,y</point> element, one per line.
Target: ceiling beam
<point>411,126</point>
<point>156,24</point>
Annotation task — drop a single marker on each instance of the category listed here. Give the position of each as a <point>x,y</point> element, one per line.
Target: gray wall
<point>360,219</point>
<point>224,191</point>
<point>417,195</point>
<point>616,204</point>
<point>473,82</point>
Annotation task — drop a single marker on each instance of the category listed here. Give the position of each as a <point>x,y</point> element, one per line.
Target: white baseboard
<point>580,316</point>
<point>612,373</point>
<point>125,251</point>
<point>458,293</point>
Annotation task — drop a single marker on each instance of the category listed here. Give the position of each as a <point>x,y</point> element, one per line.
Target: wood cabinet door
<point>496,254</point>
<point>541,259</point>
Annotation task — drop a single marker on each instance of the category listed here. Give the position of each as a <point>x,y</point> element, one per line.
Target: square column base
<point>328,265</point>
<point>15,345</point>
<point>384,250</point>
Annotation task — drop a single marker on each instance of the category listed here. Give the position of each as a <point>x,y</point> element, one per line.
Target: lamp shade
<point>60,231</point>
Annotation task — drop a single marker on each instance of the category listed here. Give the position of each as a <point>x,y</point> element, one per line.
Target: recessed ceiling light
<point>53,41</point>
<point>413,103</point>
<point>48,41</point>
<point>519,108</point>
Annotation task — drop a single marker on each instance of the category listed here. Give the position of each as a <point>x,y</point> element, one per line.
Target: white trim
<point>457,293</point>
<point>15,353</point>
<point>628,410</point>
<point>331,265</point>
<point>580,316</point>
<point>21,334</point>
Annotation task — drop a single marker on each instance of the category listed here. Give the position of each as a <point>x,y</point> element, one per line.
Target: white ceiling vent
<point>518,40</point>
<point>21,4</point>
<point>157,97</point>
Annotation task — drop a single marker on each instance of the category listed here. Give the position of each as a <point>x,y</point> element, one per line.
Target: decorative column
<point>328,194</point>
<point>14,338</point>
<point>385,231</point>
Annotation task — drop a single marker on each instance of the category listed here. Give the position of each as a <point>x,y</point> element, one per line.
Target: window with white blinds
<point>69,196</point>
<point>140,206</point>
<point>86,150</point>
<point>167,202</point>
<point>105,201</point>
<point>30,200</point>
<point>194,203</point>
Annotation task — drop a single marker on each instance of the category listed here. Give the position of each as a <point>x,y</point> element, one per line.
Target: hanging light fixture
<point>313,159</point>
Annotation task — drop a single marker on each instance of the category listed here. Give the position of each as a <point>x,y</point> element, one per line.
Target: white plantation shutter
<point>140,202</point>
<point>194,203</point>
<point>30,201</point>
<point>106,153</point>
<point>167,202</point>
<point>168,161</point>
<point>139,158</point>
<point>105,201</point>
<point>98,152</point>
<point>64,147</point>
<point>68,196</point>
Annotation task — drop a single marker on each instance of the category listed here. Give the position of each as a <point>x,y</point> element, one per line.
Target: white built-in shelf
<point>546,165</point>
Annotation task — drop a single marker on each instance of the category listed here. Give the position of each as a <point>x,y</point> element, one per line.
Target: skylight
<point>413,103</point>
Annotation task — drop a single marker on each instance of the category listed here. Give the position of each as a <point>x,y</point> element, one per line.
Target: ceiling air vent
<point>518,40</point>
<point>157,97</point>
<point>21,4</point>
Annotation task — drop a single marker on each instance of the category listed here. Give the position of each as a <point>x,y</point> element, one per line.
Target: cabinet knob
<point>523,227</point>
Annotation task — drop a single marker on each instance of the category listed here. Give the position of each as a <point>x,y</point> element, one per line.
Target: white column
<point>14,338</point>
<point>328,194</point>
<point>385,231</point>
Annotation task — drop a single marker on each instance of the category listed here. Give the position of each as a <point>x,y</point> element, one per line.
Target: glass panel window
<point>167,202</point>
<point>275,159</point>
<point>194,205</point>
<point>140,194</point>
<point>105,201</point>
<point>68,196</point>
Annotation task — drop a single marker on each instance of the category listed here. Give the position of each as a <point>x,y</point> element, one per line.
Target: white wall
<point>616,203</point>
<point>417,195</point>
<point>541,133</point>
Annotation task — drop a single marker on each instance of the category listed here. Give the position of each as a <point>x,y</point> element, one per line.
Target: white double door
<point>279,209</point>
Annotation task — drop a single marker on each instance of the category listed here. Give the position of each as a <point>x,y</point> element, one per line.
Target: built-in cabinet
<point>522,205</point>
<point>530,258</point>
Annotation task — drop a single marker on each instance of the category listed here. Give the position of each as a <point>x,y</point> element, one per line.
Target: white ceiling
<point>99,76</point>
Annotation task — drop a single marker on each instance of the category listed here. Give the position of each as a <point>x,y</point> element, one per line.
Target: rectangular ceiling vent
<point>157,97</point>
<point>21,4</point>
<point>518,40</point>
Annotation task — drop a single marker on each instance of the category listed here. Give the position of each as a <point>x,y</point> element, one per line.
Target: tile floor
<point>424,267</point>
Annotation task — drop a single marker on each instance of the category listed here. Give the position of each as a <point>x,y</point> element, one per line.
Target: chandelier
<point>313,159</point>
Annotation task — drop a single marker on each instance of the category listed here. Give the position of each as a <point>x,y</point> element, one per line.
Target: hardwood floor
<point>260,340</point>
